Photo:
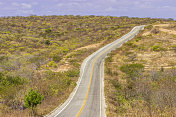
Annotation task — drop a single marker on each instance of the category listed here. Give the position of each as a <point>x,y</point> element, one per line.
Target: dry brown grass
<point>164,59</point>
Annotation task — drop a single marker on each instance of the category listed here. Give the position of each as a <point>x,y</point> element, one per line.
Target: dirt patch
<point>162,28</point>
<point>63,68</point>
<point>162,25</point>
<point>146,33</point>
<point>168,31</point>
<point>164,60</point>
<point>66,66</point>
<point>90,46</point>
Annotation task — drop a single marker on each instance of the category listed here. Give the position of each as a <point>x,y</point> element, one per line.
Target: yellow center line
<point>85,100</point>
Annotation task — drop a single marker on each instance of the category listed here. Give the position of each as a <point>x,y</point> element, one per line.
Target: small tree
<point>47,42</point>
<point>32,99</point>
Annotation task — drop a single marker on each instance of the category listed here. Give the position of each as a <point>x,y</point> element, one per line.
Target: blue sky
<point>132,8</point>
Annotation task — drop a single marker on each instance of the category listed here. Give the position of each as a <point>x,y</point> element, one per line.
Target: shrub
<point>132,69</point>
<point>109,59</point>
<point>73,73</point>
<point>130,44</point>
<point>47,42</point>
<point>32,99</point>
<point>48,30</point>
<point>149,27</point>
<point>52,64</point>
<point>138,39</point>
<point>7,80</point>
<point>57,58</point>
<point>174,47</point>
<point>158,48</point>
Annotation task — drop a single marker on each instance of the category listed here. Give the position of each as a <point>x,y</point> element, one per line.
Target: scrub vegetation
<point>140,79</point>
<point>45,53</point>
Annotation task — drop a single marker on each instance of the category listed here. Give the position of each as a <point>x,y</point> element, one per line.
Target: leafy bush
<point>109,58</point>
<point>174,47</point>
<point>57,58</point>
<point>47,42</point>
<point>7,80</point>
<point>138,39</point>
<point>149,27</point>
<point>158,48</point>
<point>32,99</point>
<point>130,44</point>
<point>73,73</point>
<point>132,69</point>
<point>48,30</point>
<point>52,64</point>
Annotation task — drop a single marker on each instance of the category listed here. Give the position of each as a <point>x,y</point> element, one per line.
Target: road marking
<point>100,89</point>
<point>76,89</point>
<point>85,100</point>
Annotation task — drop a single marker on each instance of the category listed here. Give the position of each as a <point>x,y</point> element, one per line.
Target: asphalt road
<point>87,99</point>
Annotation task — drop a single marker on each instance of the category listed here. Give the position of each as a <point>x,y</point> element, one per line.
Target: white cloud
<point>26,6</point>
<point>60,5</point>
<point>27,11</point>
<point>22,5</point>
<point>15,4</point>
<point>1,3</point>
<point>110,9</point>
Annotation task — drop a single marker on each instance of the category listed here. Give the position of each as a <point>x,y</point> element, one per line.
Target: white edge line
<point>100,89</point>
<point>76,88</point>
<point>78,84</point>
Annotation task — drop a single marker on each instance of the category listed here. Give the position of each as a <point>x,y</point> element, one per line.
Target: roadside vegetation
<point>45,53</point>
<point>140,77</point>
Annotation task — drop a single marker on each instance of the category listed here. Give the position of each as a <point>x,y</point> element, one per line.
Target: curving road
<point>87,99</point>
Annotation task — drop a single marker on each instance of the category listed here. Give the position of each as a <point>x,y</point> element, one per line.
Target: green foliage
<point>6,80</point>
<point>57,58</point>
<point>130,44</point>
<point>52,64</point>
<point>47,42</point>
<point>138,39</point>
<point>132,69</point>
<point>115,27</point>
<point>141,47</point>
<point>48,30</point>
<point>108,71</point>
<point>158,48</point>
<point>32,99</point>
<point>149,27</point>
<point>73,73</point>
<point>109,58</point>
<point>174,47</point>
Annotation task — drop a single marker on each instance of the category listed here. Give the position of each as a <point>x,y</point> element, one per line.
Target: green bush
<point>32,99</point>
<point>174,47</point>
<point>132,69</point>
<point>130,44</point>
<point>47,42</point>
<point>57,58</point>
<point>73,73</point>
<point>52,64</point>
<point>48,30</point>
<point>7,80</point>
<point>149,27</point>
<point>109,59</point>
<point>138,39</point>
<point>158,48</point>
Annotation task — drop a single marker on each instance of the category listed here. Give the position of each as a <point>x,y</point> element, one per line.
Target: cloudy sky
<point>132,8</point>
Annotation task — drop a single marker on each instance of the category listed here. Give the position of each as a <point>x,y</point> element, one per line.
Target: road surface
<point>87,99</point>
